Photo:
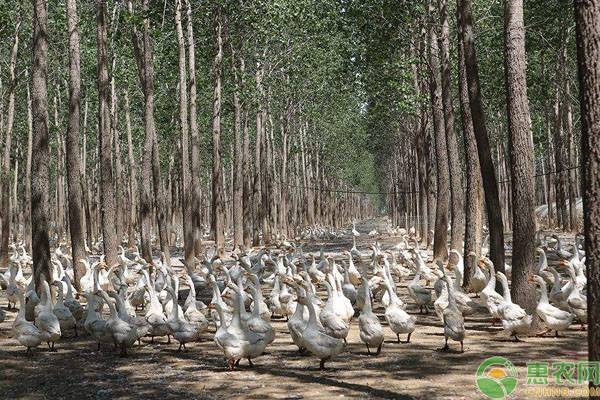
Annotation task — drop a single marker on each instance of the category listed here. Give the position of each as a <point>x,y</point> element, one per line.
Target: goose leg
<point>179,349</point>
<point>345,341</point>
<point>237,363</point>
<point>322,363</point>
<point>368,350</point>
<point>516,339</point>
<point>169,339</point>
<point>184,348</point>
<point>98,346</point>
<point>408,337</point>
<point>378,349</point>
<point>250,363</point>
<point>76,334</point>
<point>123,350</point>
<point>398,337</point>
<point>445,348</point>
<point>461,347</point>
<point>231,364</point>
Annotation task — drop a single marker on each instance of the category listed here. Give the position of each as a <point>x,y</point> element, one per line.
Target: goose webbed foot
<point>123,352</point>
<point>557,335</point>
<point>446,347</point>
<point>52,349</point>
<point>322,363</point>
<point>544,333</point>
<point>516,339</point>
<point>28,352</point>
<point>582,327</point>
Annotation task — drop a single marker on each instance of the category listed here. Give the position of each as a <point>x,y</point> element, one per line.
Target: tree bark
<point>7,147</point>
<point>587,18</point>
<point>218,217</point>
<point>521,158</point>
<point>488,173</point>
<point>440,245</point>
<point>40,174</point>
<point>133,187</point>
<point>456,187</point>
<point>27,184</point>
<point>187,218</point>
<point>474,198</point>
<point>196,195</point>
<point>72,145</point>
<point>238,176</point>
<point>107,198</point>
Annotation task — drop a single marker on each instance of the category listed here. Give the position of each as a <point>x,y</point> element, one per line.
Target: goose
<point>26,333</point>
<point>455,259</point>
<point>217,299</point>
<point>555,319</point>
<point>45,319</point>
<point>315,275</point>
<point>86,282</point>
<point>139,296</point>
<point>398,319</point>
<point>559,292</point>
<point>355,234</point>
<point>542,266</point>
<point>420,295</point>
<point>122,333</point>
<point>478,279</point>
<point>32,300</point>
<point>94,325</point>
<point>426,272</point>
<point>353,273</point>
<point>576,300</point>
<point>454,323</point>
<point>258,300</point>
<point>246,343</point>
<point>370,329</point>
<point>514,319</point>
<point>489,297</point>
<point>74,306</point>
<point>154,315</point>
<point>578,278</point>
<point>348,288</point>
<point>560,252</point>
<point>12,289</point>
<point>275,306</point>
<point>65,318</point>
<point>316,342</point>
<point>182,330</point>
<point>229,343</point>
<point>192,313</point>
<point>2,315</point>
<point>126,312</point>
<point>465,304</point>
<point>255,323</point>
<point>331,316</point>
<point>297,322</point>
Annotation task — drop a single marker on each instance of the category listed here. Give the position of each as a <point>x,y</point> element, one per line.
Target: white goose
<point>489,297</point>
<point>420,295</point>
<point>514,319</point>
<point>555,319</point>
<point>454,323</point>
<point>332,316</point>
<point>65,318</point>
<point>26,333</point>
<point>370,329</point>
<point>94,325</point>
<point>45,319</point>
<point>122,333</point>
<point>576,300</point>
<point>154,315</point>
<point>398,319</point>
<point>316,342</point>
<point>182,330</point>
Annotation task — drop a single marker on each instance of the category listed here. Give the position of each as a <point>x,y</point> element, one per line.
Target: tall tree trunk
<point>238,176</point>
<point>133,187</point>
<point>116,137</point>
<point>456,187</point>
<point>7,145</point>
<point>107,198</point>
<point>217,178</point>
<point>521,157</point>
<point>196,195</point>
<point>587,18</point>
<point>570,174</point>
<point>72,144</point>
<point>488,173</point>
<point>474,198</point>
<point>440,245</point>
<point>187,219</point>
<point>40,174</point>
<point>559,146</point>
<point>27,184</point>
<point>247,189</point>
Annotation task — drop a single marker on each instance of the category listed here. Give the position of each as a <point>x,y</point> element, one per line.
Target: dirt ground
<point>157,371</point>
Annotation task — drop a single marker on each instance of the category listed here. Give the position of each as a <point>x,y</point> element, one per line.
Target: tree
<point>474,194</point>
<point>76,227</point>
<point>456,187</point>
<point>587,17</point>
<point>6,215</point>
<point>488,173</point>
<point>107,198</point>
<point>440,246</point>
<point>188,223</point>
<point>40,174</point>
<point>521,157</point>
<point>218,217</point>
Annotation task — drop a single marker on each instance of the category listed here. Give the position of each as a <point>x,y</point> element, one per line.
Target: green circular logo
<point>496,377</point>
